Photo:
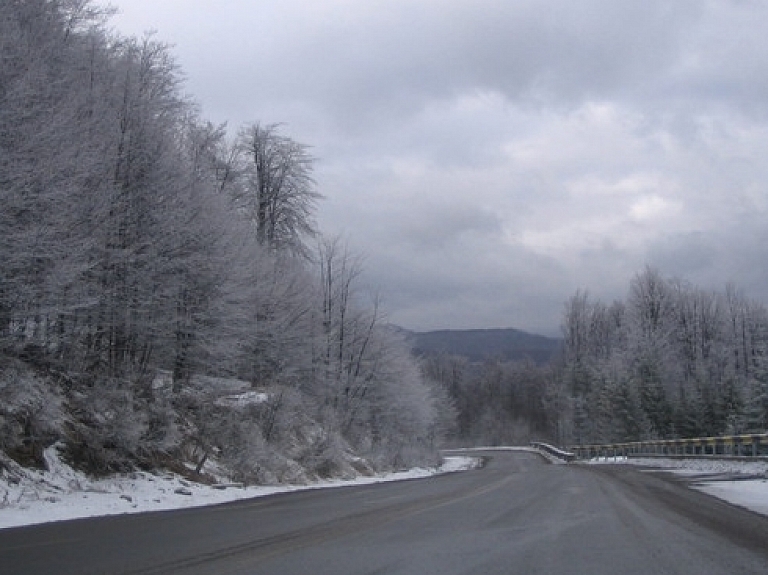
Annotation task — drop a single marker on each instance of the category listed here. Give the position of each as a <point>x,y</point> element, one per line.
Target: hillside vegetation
<point>148,260</point>
<point>669,361</point>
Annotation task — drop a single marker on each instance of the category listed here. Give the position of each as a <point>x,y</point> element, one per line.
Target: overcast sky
<point>491,157</point>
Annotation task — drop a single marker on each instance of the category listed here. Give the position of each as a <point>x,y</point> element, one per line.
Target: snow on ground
<point>28,497</point>
<point>739,482</point>
<point>751,494</point>
<point>242,399</point>
<point>548,456</point>
<point>494,448</point>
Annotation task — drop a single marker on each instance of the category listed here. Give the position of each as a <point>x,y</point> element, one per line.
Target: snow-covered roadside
<point>527,449</point>
<point>28,497</point>
<point>751,493</point>
<point>742,483</point>
<point>495,448</point>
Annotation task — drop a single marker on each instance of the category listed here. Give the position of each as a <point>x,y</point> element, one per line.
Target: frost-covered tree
<point>143,251</point>
<point>684,362</point>
<point>47,164</point>
<point>278,192</point>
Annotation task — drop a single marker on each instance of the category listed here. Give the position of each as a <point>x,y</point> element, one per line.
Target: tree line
<point>138,239</point>
<point>669,361</point>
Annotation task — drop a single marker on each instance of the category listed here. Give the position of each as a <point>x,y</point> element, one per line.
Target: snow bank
<point>455,463</point>
<point>739,482</point>
<point>527,449</point>
<point>242,399</point>
<point>692,466</point>
<point>29,497</point>
<point>750,494</point>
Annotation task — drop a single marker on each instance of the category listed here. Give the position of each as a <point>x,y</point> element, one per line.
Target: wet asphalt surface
<point>518,514</point>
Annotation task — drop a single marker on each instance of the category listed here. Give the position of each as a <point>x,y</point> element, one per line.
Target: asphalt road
<point>516,515</point>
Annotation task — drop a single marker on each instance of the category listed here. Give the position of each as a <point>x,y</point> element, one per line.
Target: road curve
<point>516,515</point>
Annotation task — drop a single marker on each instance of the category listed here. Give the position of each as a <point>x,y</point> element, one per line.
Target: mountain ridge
<point>480,344</point>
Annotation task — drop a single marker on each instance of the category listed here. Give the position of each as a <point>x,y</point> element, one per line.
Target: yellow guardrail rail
<point>748,445</point>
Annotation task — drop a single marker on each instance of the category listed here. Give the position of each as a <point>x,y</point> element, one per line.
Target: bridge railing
<point>554,451</point>
<point>749,445</point>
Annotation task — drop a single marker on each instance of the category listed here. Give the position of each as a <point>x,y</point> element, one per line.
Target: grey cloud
<point>440,226</point>
<point>686,255</point>
<point>469,287</point>
<point>370,63</point>
<point>392,58</point>
<point>491,157</point>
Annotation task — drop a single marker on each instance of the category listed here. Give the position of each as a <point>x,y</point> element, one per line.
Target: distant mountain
<point>480,344</point>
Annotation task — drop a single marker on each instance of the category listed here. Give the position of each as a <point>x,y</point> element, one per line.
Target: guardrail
<point>750,445</point>
<point>554,451</point>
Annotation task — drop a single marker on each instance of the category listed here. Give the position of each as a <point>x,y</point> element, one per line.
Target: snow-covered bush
<point>112,427</point>
<point>31,412</point>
